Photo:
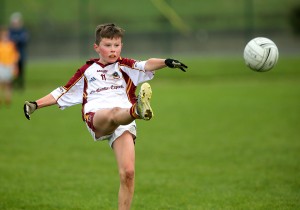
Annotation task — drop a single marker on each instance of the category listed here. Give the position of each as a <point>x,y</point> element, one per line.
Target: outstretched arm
<point>153,64</point>
<point>30,107</point>
<point>47,100</point>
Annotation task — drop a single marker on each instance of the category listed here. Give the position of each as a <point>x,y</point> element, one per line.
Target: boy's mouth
<point>112,56</point>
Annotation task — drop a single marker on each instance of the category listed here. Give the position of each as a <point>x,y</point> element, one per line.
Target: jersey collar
<point>96,60</point>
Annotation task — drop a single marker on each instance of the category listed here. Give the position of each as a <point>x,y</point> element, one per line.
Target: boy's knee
<point>112,116</point>
<point>127,176</point>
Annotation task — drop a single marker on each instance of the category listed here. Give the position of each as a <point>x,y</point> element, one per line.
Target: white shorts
<point>117,133</point>
<point>6,73</point>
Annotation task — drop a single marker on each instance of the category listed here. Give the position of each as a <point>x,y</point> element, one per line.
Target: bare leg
<point>125,156</point>
<point>107,120</point>
<point>1,93</point>
<point>8,93</point>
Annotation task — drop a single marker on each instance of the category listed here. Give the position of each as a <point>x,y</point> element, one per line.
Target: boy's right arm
<point>30,107</point>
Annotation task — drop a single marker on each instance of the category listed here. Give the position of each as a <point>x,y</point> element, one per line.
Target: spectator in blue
<point>19,35</point>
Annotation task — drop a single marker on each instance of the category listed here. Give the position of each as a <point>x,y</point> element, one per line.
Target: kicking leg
<point>107,120</point>
<point>143,107</point>
<point>125,155</point>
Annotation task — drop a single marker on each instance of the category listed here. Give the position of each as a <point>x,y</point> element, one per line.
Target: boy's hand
<point>175,64</point>
<point>29,108</point>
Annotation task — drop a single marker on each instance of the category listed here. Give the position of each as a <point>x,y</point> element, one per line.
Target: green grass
<point>223,137</point>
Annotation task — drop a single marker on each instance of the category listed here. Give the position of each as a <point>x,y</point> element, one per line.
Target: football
<point>261,54</point>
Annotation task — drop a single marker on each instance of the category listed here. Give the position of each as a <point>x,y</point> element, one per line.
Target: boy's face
<point>109,50</point>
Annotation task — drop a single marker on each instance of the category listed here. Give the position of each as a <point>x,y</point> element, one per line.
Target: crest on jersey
<point>116,75</point>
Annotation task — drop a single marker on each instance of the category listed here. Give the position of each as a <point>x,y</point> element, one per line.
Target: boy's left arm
<point>153,64</point>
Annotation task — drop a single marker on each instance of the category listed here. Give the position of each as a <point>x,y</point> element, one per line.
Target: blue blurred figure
<point>19,35</point>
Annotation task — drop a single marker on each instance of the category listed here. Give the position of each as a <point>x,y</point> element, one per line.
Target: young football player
<point>8,66</point>
<point>105,87</point>
<point>20,36</point>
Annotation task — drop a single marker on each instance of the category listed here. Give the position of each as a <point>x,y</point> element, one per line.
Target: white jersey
<point>97,86</point>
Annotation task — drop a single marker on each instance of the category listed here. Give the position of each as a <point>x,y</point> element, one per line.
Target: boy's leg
<point>8,93</point>
<point>107,120</point>
<point>1,92</point>
<point>125,155</point>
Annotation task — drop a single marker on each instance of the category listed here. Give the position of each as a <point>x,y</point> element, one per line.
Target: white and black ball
<point>261,54</point>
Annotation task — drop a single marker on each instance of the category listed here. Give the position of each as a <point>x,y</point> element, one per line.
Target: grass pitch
<point>223,137</point>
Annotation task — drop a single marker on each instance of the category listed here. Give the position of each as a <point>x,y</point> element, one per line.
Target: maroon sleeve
<point>127,62</point>
<point>77,76</point>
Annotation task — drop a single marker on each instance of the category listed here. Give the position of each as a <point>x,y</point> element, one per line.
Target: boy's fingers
<point>182,69</point>
<point>25,107</point>
<point>29,108</point>
<point>184,65</point>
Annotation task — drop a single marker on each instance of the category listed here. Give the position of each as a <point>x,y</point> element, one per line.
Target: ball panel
<point>271,59</point>
<point>253,55</point>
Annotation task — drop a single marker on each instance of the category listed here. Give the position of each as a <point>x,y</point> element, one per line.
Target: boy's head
<point>108,43</point>
<point>16,20</point>
<point>109,31</point>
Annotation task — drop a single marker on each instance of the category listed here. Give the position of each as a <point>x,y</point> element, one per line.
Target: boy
<point>8,65</point>
<point>20,36</point>
<point>106,89</point>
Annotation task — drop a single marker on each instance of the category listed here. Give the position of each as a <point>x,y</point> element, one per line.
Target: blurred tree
<point>249,17</point>
<point>295,19</point>
<point>2,11</point>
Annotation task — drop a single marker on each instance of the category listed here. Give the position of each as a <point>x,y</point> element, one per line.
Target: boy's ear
<point>96,47</point>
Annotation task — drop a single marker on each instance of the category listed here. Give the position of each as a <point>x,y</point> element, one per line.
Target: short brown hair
<point>108,30</point>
